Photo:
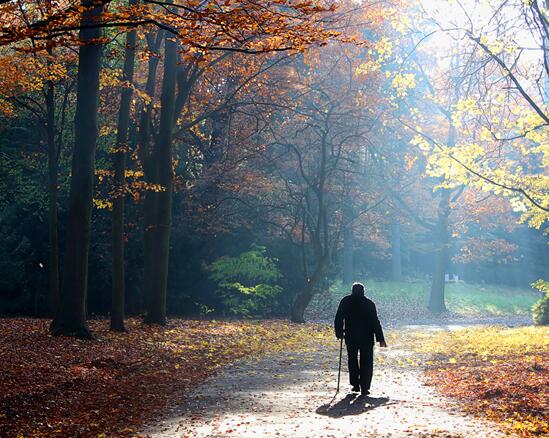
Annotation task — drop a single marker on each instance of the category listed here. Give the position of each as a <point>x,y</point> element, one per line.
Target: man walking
<point>357,320</point>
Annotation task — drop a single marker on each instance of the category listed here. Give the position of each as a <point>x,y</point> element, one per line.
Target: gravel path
<point>293,396</point>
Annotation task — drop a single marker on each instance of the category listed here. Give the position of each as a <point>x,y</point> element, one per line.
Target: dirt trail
<point>293,396</point>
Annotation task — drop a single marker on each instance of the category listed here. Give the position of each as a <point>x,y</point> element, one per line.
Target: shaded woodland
<point>238,158</point>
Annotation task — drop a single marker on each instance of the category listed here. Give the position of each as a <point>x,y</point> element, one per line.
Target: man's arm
<point>338,322</point>
<point>377,328</point>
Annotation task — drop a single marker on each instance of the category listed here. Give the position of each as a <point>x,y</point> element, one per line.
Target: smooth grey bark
<point>53,170</point>
<point>70,319</point>
<point>437,296</point>
<point>147,160</point>
<point>118,272</point>
<point>437,303</point>
<point>162,160</point>
<point>396,255</point>
<point>53,227</point>
<point>348,255</point>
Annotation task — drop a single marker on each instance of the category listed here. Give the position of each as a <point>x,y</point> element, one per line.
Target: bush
<point>246,284</point>
<point>540,310</point>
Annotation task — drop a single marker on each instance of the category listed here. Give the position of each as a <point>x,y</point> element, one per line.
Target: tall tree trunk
<point>221,121</point>
<point>320,240</point>
<point>147,160</point>
<point>118,280</point>
<point>53,169</point>
<point>156,311</point>
<point>437,302</point>
<point>53,234</point>
<point>149,235</point>
<point>348,255</point>
<point>301,302</point>
<point>217,146</point>
<point>70,318</point>
<point>304,298</point>
<point>218,138</point>
<point>436,298</point>
<point>396,256</point>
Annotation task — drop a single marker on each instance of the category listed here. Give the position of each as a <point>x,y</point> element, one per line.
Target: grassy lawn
<point>500,373</point>
<point>401,299</point>
<point>473,299</point>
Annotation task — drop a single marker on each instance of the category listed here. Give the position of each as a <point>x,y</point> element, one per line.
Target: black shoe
<point>365,392</point>
<point>356,388</point>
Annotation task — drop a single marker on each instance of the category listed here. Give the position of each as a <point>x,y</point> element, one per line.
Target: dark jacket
<point>356,317</point>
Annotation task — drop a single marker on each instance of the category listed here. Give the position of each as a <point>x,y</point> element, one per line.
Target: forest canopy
<point>244,158</point>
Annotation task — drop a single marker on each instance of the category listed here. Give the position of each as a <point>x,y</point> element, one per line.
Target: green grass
<point>473,299</point>
<point>410,299</point>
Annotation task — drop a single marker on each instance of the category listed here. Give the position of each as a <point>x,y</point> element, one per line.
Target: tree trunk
<point>304,298</point>
<point>348,255</point>
<point>53,167</point>
<point>149,168</point>
<point>396,257</point>
<point>53,233</point>
<point>301,302</point>
<point>436,299</point>
<point>118,280</point>
<point>71,316</point>
<point>156,311</point>
<point>320,240</point>
<point>149,235</point>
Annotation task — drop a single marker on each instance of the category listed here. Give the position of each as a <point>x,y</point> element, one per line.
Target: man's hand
<point>383,344</point>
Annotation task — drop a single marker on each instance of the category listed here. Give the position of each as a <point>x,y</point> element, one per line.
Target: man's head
<point>358,289</point>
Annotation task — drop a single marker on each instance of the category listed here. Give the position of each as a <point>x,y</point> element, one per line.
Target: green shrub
<point>247,283</point>
<point>540,310</point>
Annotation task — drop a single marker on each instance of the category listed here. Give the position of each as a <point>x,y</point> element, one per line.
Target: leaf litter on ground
<point>61,386</point>
<point>499,373</point>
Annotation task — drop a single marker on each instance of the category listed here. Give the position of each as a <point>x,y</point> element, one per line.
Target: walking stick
<point>339,368</point>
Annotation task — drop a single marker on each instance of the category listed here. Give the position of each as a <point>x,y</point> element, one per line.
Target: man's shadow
<point>352,405</point>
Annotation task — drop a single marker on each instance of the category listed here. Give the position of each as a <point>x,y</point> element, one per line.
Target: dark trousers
<point>360,374</point>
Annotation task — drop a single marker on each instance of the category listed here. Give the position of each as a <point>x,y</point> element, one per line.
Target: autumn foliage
<point>346,138</point>
<point>499,373</point>
<point>58,386</point>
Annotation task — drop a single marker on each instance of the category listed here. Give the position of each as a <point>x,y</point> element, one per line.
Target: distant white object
<point>454,278</point>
